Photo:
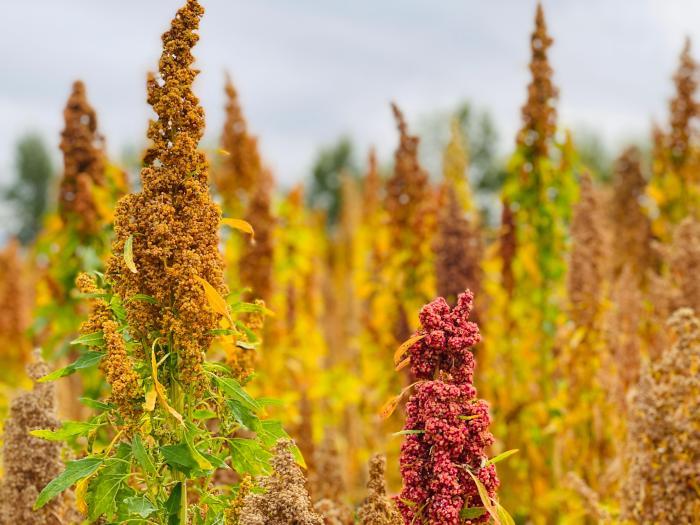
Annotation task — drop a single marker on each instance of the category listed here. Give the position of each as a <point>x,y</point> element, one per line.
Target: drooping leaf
<point>389,407</point>
<point>160,390</point>
<point>129,254</point>
<point>74,472</point>
<point>486,500</point>
<point>401,350</point>
<point>240,225</point>
<point>95,403</point>
<point>217,303</point>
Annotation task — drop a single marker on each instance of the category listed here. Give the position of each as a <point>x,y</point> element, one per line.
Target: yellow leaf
<point>403,364</point>
<point>389,407</point>
<point>160,390</point>
<point>129,254</point>
<point>80,495</point>
<point>486,500</point>
<point>222,151</point>
<point>240,225</point>
<point>401,350</point>
<point>216,302</point>
<point>150,404</point>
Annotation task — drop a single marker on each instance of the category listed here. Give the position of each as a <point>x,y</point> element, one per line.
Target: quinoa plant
<point>174,419</point>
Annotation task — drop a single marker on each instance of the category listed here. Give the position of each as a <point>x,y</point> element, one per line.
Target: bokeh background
<point>311,73</point>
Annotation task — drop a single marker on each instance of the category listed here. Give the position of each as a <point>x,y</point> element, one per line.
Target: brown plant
<point>285,500</point>
<point>30,462</point>
<point>378,508</point>
<point>83,164</point>
<point>255,265</point>
<point>663,443</point>
<point>241,170</point>
<point>587,259</point>
<point>458,249</point>
<point>684,109</point>
<point>631,227</point>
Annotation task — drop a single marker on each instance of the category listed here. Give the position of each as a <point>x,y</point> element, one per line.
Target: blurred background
<point>316,77</point>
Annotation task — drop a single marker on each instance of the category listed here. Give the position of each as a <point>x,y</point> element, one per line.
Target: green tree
<point>28,194</point>
<point>332,162</point>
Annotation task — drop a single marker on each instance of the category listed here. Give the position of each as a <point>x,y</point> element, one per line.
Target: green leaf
<point>106,484</point>
<point>271,431</point>
<point>143,297</point>
<point>203,414</point>
<point>74,472</point>
<point>233,389</point>
<point>471,512</point>
<point>249,457</point>
<point>500,457</point>
<point>141,455</point>
<point>172,505</point>
<point>68,429</point>
<point>179,457</point>
<point>504,517</point>
<point>202,462</point>
<point>93,339</point>
<point>86,360</point>
<point>243,416</point>
<point>139,505</point>
<point>129,254</point>
<point>408,432</point>
<point>95,403</point>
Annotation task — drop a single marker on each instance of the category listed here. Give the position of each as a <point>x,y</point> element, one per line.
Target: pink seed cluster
<point>452,423</point>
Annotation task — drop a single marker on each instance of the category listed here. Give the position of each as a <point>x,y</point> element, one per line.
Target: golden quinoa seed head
<point>173,221</point>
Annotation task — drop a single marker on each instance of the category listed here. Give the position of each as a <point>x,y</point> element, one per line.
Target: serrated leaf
<point>85,360</point>
<point>93,339</point>
<point>202,462</point>
<point>271,431</point>
<point>129,254</point>
<point>203,414</point>
<point>139,505</point>
<point>240,225</point>
<point>68,429</point>
<point>74,472</point>
<point>141,455</point>
<point>248,457</point>
<point>105,486</point>
<point>500,457</point>
<point>179,457</point>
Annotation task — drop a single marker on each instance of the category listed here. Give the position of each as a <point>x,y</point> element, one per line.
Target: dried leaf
<point>401,350</point>
<point>129,254</point>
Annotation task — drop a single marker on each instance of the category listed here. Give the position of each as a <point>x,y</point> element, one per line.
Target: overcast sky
<point>311,70</point>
